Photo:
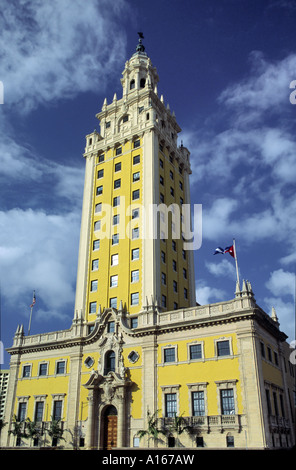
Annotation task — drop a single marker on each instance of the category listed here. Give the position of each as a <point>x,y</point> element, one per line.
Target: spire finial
<point>140,47</point>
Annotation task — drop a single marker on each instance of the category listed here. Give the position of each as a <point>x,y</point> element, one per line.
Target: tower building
<point>136,182</point>
<point>139,346</point>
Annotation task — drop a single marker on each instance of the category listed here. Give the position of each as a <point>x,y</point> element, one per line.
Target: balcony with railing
<point>207,423</point>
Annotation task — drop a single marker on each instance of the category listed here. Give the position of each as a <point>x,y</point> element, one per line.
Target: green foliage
<point>152,430</point>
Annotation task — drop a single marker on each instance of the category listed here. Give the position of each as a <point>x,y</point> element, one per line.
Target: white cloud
<point>39,251</point>
<point>281,283</point>
<point>265,89</point>
<point>221,269</point>
<point>75,51</point>
<point>206,294</point>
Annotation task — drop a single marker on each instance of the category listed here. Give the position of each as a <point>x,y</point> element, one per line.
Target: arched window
<point>132,84</point>
<point>142,82</point>
<point>109,362</point>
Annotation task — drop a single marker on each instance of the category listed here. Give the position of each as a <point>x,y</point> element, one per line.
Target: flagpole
<point>30,321</point>
<point>32,305</point>
<point>235,257</point>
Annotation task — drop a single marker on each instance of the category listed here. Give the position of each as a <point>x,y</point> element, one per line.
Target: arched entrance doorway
<point>110,427</point>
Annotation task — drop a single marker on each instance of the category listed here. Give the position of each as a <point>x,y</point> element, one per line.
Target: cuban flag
<point>228,249</point>
<point>219,250</point>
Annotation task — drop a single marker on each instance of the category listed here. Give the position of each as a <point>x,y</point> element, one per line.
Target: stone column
<point>90,419</point>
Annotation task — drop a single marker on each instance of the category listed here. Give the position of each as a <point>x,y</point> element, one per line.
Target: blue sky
<point>225,68</point>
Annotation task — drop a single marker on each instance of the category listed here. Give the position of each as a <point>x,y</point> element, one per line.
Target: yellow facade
<point>138,342</point>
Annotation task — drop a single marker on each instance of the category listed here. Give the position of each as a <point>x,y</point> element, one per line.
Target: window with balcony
<point>227,401</point>
<point>198,403</point>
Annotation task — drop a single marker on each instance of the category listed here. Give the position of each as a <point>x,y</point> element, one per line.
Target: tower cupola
<point>139,74</point>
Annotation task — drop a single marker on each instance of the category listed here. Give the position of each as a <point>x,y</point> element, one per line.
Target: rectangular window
<point>161,163</point>
<point>96,245</point>
<point>61,367</point>
<point>163,279</point>
<point>135,276</point>
<point>136,177</point>
<point>117,166</point>
<point>39,411</point>
<point>184,273</point>
<point>26,371</point>
<point>134,322</point>
<point>100,173</point>
<point>269,354</point>
<point>275,404</point>
<point>101,158</point>
<point>169,355</point>
<point>99,190</point>
<point>92,307</point>
<point>223,348</point>
<point>135,298</point>
<point>135,213</point>
<point>172,191</point>
<point>113,302</point>
<point>163,256</point>
<point>136,143</point>
<point>268,401</point>
<point>136,159</point>
<point>161,180</point>
<point>199,441</point>
<point>135,233</point>
<point>108,124</point>
<point>115,239</point>
<point>175,286</point>
<point>118,151</point>
<point>98,208</point>
<point>174,265</point>
<point>114,260</point>
<point>185,293</point>
<point>22,411</point>
<point>171,175</point>
<point>181,185</point>
<point>94,286</point>
<point>117,183</point>
<point>163,301</point>
<point>116,219</point>
<point>170,405</point>
<point>174,245</point>
<point>230,441</point>
<point>97,225</point>
<point>227,402</point>
<point>135,253</point>
<point>57,409</point>
<point>136,194</point>
<point>116,201</point>
<point>161,198</point>
<point>42,369</point>
<point>95,265</point>
<point>198,404</point>
<point>195,351</point>
<point>114,280</point>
